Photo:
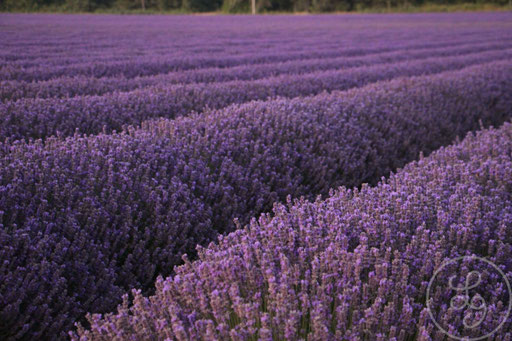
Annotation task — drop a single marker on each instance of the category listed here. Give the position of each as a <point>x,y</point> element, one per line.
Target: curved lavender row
<point>254,48</point>
<point>353,267</point>
<point>315,49</point>
<point>93,44</point>
<point>31,37</point>
<point>86,218</point>
<point>108,53</point>
<point>164,64</point>
<point>81,85</point>
<point>62,57</point>
<point>40,118</point>
<point>153,66</point>
<point>43,46</point>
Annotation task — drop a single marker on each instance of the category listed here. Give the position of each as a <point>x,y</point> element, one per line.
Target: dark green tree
<point>202,5</point>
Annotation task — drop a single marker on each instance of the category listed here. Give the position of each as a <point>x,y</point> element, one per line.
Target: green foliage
<point>23,4</point>
<point>89,5</point>
<point>244,6</point>
<point>201,5</point>
<point>236,6</point>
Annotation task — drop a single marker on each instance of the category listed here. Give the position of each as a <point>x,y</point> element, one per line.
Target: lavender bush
<point>162,59</point>
<point>70,86</point>
<point>39,118</point>
<point>135,67</point>
<point>110,45</point>
<point>353,267</point>
<point>90,217</point>
<point>126,141</point>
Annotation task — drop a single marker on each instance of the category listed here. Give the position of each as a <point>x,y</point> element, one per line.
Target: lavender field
<point>256,178</point>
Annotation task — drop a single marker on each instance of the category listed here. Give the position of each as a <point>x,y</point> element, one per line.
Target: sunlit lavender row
<point>353,267</point>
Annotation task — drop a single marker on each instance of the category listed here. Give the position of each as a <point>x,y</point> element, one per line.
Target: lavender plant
<point>40,118</point>
<point>352,267</point>
<point>113,46</point>
<point>87,218</point>
<point>70,86</point>
<point>151,143</point>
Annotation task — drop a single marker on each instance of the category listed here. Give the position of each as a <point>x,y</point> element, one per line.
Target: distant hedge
<point>242,6</point>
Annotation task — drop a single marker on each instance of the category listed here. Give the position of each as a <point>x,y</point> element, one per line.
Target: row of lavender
<point>40,118</point>
<point>353,267</point>
<point>69,86</point>
<point>154,64</point>
<point>86,218</point>
<point>47,40</point>
<point>202,36</point>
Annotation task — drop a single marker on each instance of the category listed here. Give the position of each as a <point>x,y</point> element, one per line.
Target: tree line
<point>230,6</point>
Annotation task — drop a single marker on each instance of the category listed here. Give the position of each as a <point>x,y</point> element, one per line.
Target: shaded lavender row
<point>353,267</point>
<point>86,50</point>
<point>153,65</point>
<point>200,52</point>
<point>82,85</point>
<point>26,37</point>
<point>86,218</point>
<point>84,55</point>
<point>40,118</point>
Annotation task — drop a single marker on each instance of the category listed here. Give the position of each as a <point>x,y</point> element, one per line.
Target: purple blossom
<point>40,118</point>
<point>346,291</point>
<point>127,141</point>
<point>95,216</point>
